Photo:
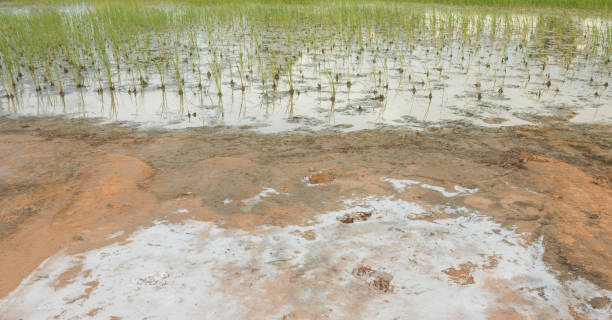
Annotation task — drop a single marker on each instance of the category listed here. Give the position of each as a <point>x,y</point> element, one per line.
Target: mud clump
<point>309,235</point>
<point>381,281</point>
<point>599,302</point>
<point>321,177</point>
<point>353,217</point>
<point>362,271</point>
<point>462,274</point>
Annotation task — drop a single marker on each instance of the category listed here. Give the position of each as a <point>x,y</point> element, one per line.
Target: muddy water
<point>406,102</point>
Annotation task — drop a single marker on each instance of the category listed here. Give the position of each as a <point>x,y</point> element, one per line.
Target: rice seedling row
<point>293,67</point>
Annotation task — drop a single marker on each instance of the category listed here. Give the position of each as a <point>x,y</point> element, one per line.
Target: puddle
<point>383,265</point>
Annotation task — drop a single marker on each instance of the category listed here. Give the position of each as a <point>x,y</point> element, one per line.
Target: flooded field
<point>285,68</point>
<point>342,160</point>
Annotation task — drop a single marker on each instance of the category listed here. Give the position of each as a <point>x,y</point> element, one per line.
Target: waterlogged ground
<point>439,70</point>
<point>471,223</point>
<point>455,99</point>
<point>429,163</point>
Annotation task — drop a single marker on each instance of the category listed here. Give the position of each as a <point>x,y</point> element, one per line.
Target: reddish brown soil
<point>356,216</point>
<point>68,184</point>
<point>377,280</point>
<point>321,177</point>
<point>462,274</point>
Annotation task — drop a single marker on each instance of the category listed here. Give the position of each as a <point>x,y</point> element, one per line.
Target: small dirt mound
<point>462,274</point>
<point>322,177</point>
<point>356,216</point>
<point>309,235</point>
<point>599,302</point>
<point>380,281</point>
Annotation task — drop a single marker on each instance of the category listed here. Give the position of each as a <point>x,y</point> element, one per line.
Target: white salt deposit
<point>199,270</point>
<point>266,192</point>
<point>115,234</point>
<point>400,186</point>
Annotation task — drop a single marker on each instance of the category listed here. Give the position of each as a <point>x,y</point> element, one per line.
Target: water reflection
<point>355,83</point>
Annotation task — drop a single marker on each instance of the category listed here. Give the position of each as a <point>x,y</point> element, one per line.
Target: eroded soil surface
<point>68,187</point>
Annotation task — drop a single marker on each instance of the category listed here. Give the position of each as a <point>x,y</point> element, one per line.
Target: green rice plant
<point>270,40</point>
<point>241,70</point>
<point>177,73</point>
<point>290,75</point>
<point>216,71</point>
<point>332,86</point>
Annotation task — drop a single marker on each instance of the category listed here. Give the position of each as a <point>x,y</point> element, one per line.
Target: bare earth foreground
<point>108,222</point>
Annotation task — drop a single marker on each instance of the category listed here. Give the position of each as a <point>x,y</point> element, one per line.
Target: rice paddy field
<point>284,67</point>
<point>245,159</point>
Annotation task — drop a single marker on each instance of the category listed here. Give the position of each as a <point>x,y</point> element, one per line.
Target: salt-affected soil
<point>376,259</point>
<point>469,223</point>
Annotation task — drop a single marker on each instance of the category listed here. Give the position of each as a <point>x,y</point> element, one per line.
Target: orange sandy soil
<point>68,184</point>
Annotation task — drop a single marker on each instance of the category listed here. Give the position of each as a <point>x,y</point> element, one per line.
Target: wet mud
<point>69,186</point>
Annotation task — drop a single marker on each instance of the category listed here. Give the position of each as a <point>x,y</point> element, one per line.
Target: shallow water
<point>495,79</point>
<point>18,8</point>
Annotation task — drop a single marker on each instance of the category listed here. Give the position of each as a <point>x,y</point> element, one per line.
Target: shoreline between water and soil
<point>70,185</point>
